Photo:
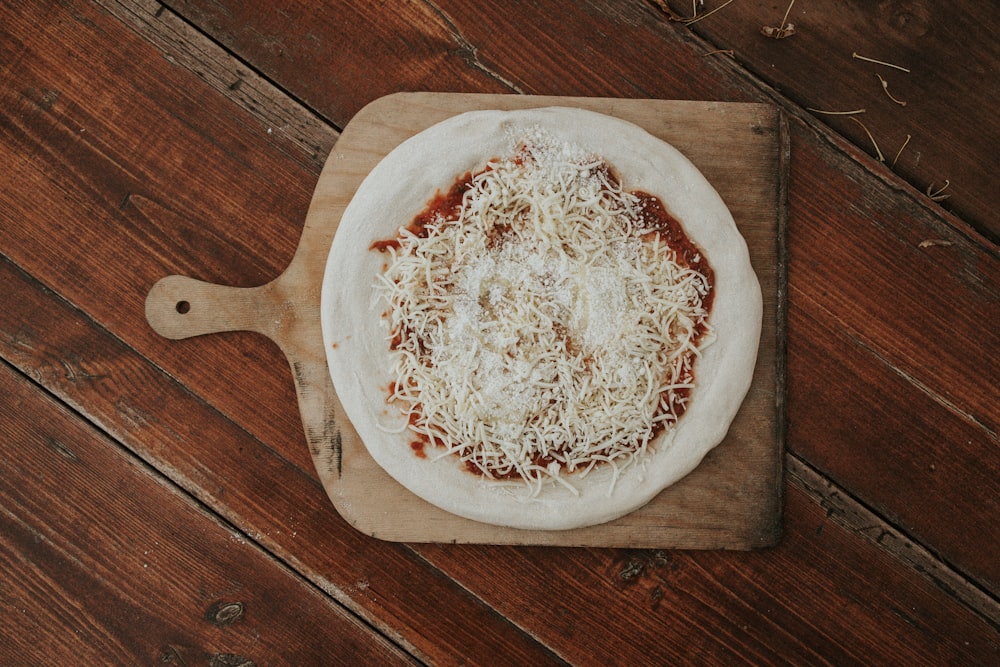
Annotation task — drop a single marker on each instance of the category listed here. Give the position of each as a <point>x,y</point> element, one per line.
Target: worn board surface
<point>732,500</point>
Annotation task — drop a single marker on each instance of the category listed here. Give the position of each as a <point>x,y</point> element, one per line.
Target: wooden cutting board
<point>733,500</point>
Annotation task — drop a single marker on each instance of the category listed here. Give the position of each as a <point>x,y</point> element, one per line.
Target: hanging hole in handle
<point>183,307</point>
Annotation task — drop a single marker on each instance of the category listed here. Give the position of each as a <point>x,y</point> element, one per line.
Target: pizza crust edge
<point>399,187</point>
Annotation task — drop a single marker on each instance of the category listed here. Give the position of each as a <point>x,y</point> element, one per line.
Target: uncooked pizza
<point>539,318</point>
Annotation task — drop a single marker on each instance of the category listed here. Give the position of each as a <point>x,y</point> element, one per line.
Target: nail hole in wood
<point>183,307</point>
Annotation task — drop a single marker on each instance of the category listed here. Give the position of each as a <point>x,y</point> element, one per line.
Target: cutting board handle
<point>181,307</point>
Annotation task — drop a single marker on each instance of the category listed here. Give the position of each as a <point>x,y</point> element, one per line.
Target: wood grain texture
<point>250,483</point>
<point>315,51</point>
<point>893,388</point>
<point>836,194</point>
<point>207,180</point>
<point>719,607</point>
<point>109,164</point>
<point>105,562</point>
<point>856,518</point>
<point>949,50</point>
<point>732,501</point>
<point>293,128</point>
<point>79,194</point>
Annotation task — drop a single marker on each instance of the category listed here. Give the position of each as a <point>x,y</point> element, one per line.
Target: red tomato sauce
<point>443,206</point>
<point>656,221</point>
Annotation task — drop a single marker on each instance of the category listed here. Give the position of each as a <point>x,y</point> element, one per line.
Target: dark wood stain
<point>144,158</point>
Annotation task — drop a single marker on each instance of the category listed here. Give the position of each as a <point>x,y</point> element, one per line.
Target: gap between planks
<point>279,113</point>
<point>313,138</point>
<point>469,52</point>
<point>855,152</point>
<point>343,603</point>
<point>850,514</point>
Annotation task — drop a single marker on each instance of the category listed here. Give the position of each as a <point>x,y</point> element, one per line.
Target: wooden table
<point>158,499</point>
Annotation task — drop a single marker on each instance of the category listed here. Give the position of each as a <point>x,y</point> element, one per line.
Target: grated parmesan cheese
<point>542,327</point>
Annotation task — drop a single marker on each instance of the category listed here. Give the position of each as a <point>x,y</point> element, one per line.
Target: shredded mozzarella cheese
<point>542,330</point>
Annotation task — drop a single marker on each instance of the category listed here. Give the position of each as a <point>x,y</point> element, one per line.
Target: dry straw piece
<point>878,62</point>
<point>695,19</point>
<point>786,29</point>
<point>852,112</point>
<point>900,151</point>
<point>939,194</point>
<point>727,52</point>
<point>885,87</point>
<point>878,151</point>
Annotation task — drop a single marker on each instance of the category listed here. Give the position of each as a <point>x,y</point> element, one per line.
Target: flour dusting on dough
<point>540,321</point>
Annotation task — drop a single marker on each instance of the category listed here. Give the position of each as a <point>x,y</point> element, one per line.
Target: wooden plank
<point>72,185</point>
<point>105,562</point>
<point>732,501</point>
<point>845,511</point>
<point>892,386</point>
<point>291,42</point>
<point>194,442</point>
<point>557,49</point>
<point>947,49</point>
<point>291,127</point>
<point>823,596</point>
<point>812,69</point>
<point>645,64</point>
<point>111,167</point>
<point>282,510</point>
<point>250,483</point>
<point>910,460</point>
<point>652,59</point>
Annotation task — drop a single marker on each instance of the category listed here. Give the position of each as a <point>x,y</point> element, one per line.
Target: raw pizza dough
<point>356,342</point>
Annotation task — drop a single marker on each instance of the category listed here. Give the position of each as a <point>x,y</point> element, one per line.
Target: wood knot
<point>906,17</point>
<point>223,614</point>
